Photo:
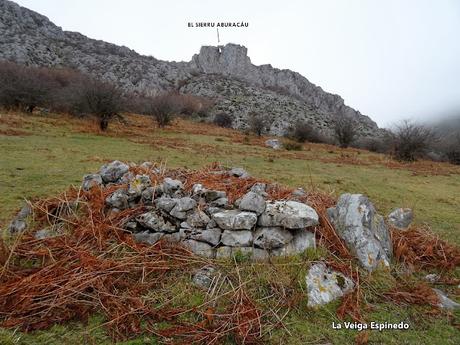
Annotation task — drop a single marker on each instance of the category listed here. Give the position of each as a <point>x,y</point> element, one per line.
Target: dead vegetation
<point>93,266</point>
<point>421,249</point>
<point>407,294</point>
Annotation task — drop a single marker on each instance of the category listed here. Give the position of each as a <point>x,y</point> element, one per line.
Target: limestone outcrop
<point>225,74</point>
<point>363,230</point>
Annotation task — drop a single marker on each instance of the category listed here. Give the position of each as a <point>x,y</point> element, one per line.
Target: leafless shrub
<point>292,146</point>
<point>302,131</point>
<point>164,107</point>
<point>102,100</point>
<point>223,120</point>
<point>344,130</point>
<point>24,87</point>
<point>257,123</point>
<point>69,97</point>
<point>191,105</point>
<point>379,145</point>
<point>411,141</point>
<point>452,150</point>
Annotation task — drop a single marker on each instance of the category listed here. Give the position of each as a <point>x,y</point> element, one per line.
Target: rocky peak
<point>231,59</point>
<point>32,39</point>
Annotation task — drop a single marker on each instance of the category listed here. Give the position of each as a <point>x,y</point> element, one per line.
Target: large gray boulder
<point>137,185</point>
<point>270,238</point>
<point>204,276</point>
<point>239,172</point>
<point>274,144</point>
<point>235,220</point>
<point>182,206</point>
<point>252,201</point>
<point>364,231</point>
<point>255,254</point>
<point>113,171</point>
<point>171,186</point>
<point>401,218</point>
<point>301,241</point>
<point>325,285</point>
<point>148,237</point>
<point>150,194</point>
<point>242,238</point>
<point>198,219</point>
<point>198,189</point>
<point>165,203</point>
<point>288,214</point>
<point>210,236</point>
<point>154,222</point>
<point>91,180</point>
<point>211,195</point>
<point>118,199</point>
<point>445,302</point>
<point>200,248</point>
<point>259,188</point>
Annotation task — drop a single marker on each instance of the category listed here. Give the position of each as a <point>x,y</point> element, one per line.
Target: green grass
<point>74,333</point>
<point>45,156</point>
<point>52,157</point>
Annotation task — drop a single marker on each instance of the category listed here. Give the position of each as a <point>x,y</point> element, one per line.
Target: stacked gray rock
<point>204,220</point>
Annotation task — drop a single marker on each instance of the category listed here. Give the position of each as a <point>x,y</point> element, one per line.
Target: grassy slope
<point>40,156</point>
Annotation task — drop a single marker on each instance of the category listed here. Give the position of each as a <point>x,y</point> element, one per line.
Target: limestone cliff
<point>29,38</point>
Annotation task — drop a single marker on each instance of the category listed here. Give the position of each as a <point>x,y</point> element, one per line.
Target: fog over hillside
<point>448,122</point>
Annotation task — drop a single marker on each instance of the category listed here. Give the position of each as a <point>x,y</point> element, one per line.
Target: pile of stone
<point>203,219</point>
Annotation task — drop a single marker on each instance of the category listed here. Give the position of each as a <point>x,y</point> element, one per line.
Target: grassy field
<point>43,155</point>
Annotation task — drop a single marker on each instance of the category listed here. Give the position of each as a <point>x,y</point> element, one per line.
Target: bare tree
<point>192,105</point>
<point>257,123</point>
<point>164,107</point>
<point>24,87</point>
<point>452,150</point>
<point>411,141</point>
<point>344,130</point>
<point>223,120</point>
<point>102,100</point>
<point>301,131</point>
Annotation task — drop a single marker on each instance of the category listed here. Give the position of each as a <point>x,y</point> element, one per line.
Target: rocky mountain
<point>223,73</point>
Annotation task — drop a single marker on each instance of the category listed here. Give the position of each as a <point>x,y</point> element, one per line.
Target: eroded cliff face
<point>29,38</point>
<point>232,60</point>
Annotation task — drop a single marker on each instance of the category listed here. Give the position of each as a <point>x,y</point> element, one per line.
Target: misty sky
<point>391,59</point>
